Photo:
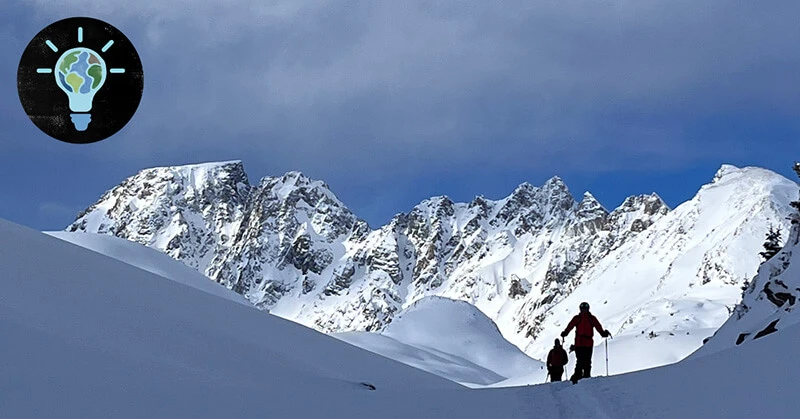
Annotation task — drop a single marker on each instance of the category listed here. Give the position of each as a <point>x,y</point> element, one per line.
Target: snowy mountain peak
<point>209,217</point>
<point>195,176</point>
<point>294,185</point>
<point>556,193</point>
<point>555,182</point>
<point>236,164</point>
<point>164,207</point>
<point>594,215</point>
<point>553,186</point>
<point>523,191</point>
<point>729,174</point>
<point>590,204</point>
<point>295,178</point>
<point>649,204</point>
<point>282,186</point>
<point>195,167</point>
<point>480,201</point>
<point>656,200</point>
<point>546,204</point>
<point>725,170</point>
<point>638,212</point>
<point>434,207</point>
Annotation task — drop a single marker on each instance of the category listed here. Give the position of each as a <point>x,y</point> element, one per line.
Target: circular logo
<point>80,80</point>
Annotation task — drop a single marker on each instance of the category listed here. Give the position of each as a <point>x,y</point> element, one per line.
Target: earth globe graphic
<point>80,73</point>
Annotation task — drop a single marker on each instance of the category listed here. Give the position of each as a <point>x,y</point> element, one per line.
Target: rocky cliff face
<point>291,247</point>
<point>191,212</point>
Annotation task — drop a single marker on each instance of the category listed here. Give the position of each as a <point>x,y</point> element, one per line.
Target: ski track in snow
<point>589,402</point>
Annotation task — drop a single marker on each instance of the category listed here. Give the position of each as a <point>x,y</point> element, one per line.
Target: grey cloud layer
<point>514,83</point>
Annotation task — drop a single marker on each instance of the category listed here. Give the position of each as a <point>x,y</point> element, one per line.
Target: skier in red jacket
<point>584,323</point>
<point>556,361</point>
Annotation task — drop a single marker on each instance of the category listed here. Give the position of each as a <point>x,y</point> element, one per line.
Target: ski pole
<point>606,357</point>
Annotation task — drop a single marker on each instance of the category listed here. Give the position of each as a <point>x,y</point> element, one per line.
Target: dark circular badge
<point>80,80</point>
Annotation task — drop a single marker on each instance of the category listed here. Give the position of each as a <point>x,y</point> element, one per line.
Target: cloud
<point>389,88</point>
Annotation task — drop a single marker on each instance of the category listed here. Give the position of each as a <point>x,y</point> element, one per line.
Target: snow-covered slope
<point>432,335</point>
<point>770,300</point>
<point>526,261</point>
<point>747,382</point>
<point>130,344</point>
<point>452,339</point>
<point>150,260</point>
<point>83,332</point>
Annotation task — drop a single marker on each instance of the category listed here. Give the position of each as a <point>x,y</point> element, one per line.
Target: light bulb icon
<point>80,80</point>
<point>80,73</point>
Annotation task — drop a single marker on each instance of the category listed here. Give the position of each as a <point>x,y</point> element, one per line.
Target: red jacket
<point>557,357</point>
<point>583,324</point>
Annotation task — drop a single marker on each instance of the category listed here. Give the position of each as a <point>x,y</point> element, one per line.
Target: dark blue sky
<point>392,103</point>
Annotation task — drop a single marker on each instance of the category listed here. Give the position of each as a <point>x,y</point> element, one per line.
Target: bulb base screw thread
<point>81,120</point>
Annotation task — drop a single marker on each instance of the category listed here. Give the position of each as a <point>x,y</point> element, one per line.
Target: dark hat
<point>558,342</point>
<point>584,306</point>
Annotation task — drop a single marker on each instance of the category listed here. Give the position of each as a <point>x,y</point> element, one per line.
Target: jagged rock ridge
<point>291,247</point>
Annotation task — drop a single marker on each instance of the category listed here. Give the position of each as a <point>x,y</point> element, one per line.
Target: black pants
<point>583,364</point>
<point>556,373</point>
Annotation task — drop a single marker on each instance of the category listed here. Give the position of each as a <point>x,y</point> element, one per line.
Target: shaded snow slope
<point>85,332</point>
<point>150,260</point>
<point>452,339</point>
<point>445,365</point>
<point>458,328</point>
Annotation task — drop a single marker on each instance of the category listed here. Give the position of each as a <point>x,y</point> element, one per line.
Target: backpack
<point>584,329</point>
<point>557,357</point>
